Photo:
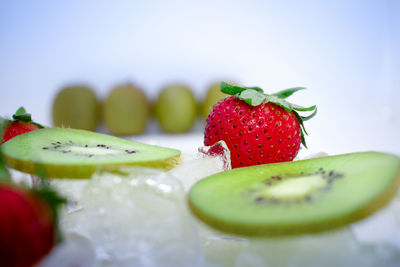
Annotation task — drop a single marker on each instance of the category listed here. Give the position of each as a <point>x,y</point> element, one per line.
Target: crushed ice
<point>142,219</point>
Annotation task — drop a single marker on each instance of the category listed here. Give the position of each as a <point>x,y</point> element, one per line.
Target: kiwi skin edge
<point>82,171</point>
<point>261,231</point>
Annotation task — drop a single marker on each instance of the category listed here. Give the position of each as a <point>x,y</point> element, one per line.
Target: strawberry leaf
<point>231,89</point>
<point>309,116</point>
<point>280,102</point>
<point>287,92</point>
<point>300,108</point>
<point>303,131</point>
<point>252,97</point>
<point>22,116</point>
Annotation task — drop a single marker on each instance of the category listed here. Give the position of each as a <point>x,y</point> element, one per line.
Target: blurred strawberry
<point>21,123</point>
<point>28,221</point>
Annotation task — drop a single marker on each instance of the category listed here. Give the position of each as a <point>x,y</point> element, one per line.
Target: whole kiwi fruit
<point>76,107</point>
<point>213,96</point>
<point>176,109</point>
<point>126,110</point>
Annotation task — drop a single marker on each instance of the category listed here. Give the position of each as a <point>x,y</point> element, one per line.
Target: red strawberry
<point>257,128</point>
<point>28,221</point>
<point>28,224</point>
<point>16,128</point>
<point>22,123</point>
<point>26,227</point>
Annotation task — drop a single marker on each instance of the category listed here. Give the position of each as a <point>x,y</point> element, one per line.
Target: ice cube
<point>208,161</point>
<point>76,251</point>
<point>140,219</point>
<point>383,227</point>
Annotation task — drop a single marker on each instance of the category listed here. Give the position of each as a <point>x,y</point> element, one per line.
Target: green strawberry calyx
<point>255,96</point>
<point>22,116</point>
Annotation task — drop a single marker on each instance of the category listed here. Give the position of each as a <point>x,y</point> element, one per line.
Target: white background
<point>345,52</point>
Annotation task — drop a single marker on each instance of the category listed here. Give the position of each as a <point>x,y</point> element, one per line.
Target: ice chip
<point>76,251</point>
<point>208,161</point>
<point>383,227</point>
<point>219,149</point>
<point>138,219</point>
<point>314,155</point>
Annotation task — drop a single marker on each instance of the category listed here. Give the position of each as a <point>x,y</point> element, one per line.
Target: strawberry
<point>28,221</point>
<point>257,128</point>
<point>26,227</point>
<point>21,123</point>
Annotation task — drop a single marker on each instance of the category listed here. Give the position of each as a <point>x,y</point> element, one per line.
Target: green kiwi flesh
<point>297,197</point>
<point>71,153</point>
<point>76,107</point>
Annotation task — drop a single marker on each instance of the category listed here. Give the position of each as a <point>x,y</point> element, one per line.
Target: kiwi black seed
<point>76,107</point>
<point>126,110</point>
<point>297,197</point>
<point>71,153</point>
<point>176,109</point>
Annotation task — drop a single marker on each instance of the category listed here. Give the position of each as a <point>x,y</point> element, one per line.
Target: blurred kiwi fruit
<point>126,110</point>
<point>76,107</point>
<point>176,109</point>
<point>213,96</point>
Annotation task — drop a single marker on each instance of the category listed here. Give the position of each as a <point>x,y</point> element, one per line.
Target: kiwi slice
<point>126,110</point>
<point>76,107</point>
<point>71,153</point>
<point>297,197</point>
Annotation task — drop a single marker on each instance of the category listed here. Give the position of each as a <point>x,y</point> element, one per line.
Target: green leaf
<point>37,124</point>
<point>252,97</point>
<point>231,89</point>
<point>288,92</point>
<point>300,108</point>
<point>303,131</point>
<point>258,89</point>
<point>303,139</point>
<point>280,102</point>
<point>309,116</point>
<point>20,111</point>
<point>22,116</point>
